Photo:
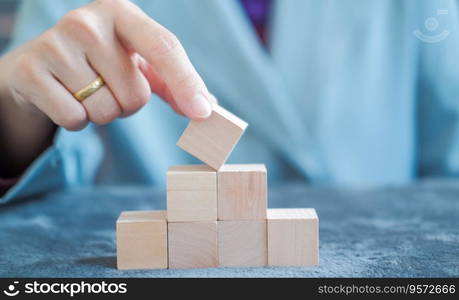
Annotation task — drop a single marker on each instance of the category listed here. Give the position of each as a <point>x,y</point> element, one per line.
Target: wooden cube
<point>242,192</point>
<point>293,237</point>
<point>191,193</point>
<point>141,240</point>
<point>213,140</point>
<point>193,245</point>
<point>242,243</point>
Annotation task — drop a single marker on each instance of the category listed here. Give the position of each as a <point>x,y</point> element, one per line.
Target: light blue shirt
<point>350,94</point>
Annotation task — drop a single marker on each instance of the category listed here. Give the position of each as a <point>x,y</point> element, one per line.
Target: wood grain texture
<point>242,243</point>
<point>293,237</point>
<point>213,140</point>
<point>242,192</point>
<point>141,240</point>
<point>191,193</point>
<point>193,245</point>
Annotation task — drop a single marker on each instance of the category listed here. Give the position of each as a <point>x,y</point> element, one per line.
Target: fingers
<point>121,74</point>
<point>157,85</point>
<point>101,107</point>
<point>92,32</point>
<point>213,99</point>
<point>165,53</point>
<point>34,84</point>
<point>68,64</point>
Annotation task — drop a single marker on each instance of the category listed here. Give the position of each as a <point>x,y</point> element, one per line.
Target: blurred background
<point>7,16</point>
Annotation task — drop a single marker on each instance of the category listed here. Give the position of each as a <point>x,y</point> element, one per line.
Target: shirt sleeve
<point>6,184</point>
<point>72,160</point>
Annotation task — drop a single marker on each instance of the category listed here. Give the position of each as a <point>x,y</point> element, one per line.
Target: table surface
<point>409,231</point>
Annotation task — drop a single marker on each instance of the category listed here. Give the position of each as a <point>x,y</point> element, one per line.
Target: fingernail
<point>200,107</point>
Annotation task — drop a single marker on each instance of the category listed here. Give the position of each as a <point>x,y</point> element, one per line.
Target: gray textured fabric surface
<point>408,231</point>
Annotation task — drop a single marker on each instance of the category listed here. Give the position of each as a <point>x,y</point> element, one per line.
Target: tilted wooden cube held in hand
<point>213,140</point>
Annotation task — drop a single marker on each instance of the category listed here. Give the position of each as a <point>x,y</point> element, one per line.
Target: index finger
<point>163,50</point>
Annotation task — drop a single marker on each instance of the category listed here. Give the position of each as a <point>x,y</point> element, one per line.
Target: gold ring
<point>89,89</point>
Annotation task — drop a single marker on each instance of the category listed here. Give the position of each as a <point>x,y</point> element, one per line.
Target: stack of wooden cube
<point>217,213</point>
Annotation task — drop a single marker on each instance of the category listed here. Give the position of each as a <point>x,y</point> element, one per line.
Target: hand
<point>116,40</point>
